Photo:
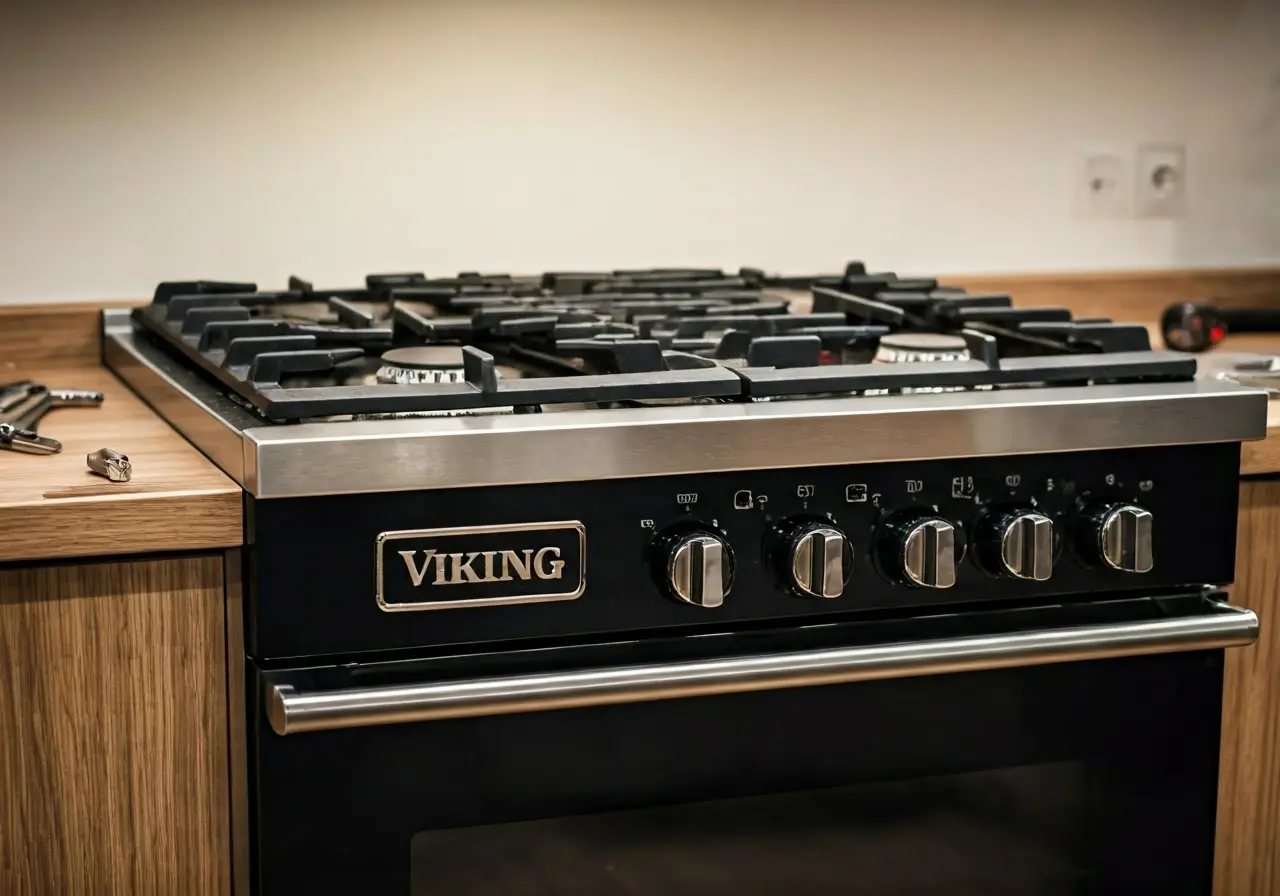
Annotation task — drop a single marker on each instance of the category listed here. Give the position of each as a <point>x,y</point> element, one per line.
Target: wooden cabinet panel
<point>1248,846</point>
<point>113,740</point>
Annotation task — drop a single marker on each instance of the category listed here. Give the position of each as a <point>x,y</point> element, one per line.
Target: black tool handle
<point>1251,320</point>
<point>1199,326</point>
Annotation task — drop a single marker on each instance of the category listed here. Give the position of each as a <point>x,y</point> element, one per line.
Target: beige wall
<point>141,141</point>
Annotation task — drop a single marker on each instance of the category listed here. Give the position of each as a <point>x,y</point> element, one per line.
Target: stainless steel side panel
<point>459,452</point>
<point>223,444</point>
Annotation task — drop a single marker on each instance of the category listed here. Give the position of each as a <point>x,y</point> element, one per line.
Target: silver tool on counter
<point>24,403</point>
<point>1260,371</point>
<point>111,464</point>
<point>27,442</point>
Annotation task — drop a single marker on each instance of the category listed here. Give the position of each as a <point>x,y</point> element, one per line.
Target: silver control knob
<point>1017,543</point>
<point>700,570</point>
<point>1120,537</point>
<point>821,560</point>
<point>927,553</point>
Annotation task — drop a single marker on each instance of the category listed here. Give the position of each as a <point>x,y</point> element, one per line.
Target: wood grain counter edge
<point>113,526</point>
<point>1263,457</point>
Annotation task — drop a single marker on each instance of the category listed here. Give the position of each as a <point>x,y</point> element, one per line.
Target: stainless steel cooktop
<point>414,382</point>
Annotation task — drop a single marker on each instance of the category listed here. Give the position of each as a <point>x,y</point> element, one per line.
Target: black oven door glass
<point>1004,832</point>
<point>1094,777</point>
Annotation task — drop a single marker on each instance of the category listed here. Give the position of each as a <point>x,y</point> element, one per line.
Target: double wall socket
<point>1123,183</point>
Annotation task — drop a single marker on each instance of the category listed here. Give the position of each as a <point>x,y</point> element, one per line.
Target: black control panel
<point>416,569</point>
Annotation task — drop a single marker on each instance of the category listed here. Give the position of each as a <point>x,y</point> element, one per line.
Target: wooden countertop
<point>52,507</point>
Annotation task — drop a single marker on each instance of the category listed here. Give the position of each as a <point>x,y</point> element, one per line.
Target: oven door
<point>1069,749</point>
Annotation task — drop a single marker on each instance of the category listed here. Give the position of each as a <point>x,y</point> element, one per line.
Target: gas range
<point>530,557</point>
<point>699,430</point>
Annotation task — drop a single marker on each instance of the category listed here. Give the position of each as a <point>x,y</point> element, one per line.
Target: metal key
<point>24,403</point>
<point>25,441</point>
<point>12,394</point>
<point>26,412</point>
<point>75,398</point>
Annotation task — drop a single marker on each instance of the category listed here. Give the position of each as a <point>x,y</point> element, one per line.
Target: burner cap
<point>421,364</point>
<point>896,348</point>
<point>424,357</point>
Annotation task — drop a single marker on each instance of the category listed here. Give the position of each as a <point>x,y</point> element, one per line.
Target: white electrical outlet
<point>1160,180</point>
<point>1103,184</point>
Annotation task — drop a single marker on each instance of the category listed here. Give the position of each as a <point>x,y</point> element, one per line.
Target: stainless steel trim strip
<point>589,445</point>
<point>291,712</point>
<point>456,452</point>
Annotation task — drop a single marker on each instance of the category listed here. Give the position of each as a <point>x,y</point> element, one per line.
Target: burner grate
<point>624,337</point>
<point>1062,370</point>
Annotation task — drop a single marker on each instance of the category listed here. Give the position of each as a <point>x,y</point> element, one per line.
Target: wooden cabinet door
<point>113,729</point>
<point>1247,857</point>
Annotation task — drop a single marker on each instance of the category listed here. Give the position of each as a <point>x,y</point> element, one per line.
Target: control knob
<point>1117,536</point>
<point>817,558</point>
<point>695,566</point>
<point>920,551</point>
<point>1016,543</point>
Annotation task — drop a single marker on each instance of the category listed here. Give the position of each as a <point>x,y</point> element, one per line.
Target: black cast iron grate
<point>626,337</point>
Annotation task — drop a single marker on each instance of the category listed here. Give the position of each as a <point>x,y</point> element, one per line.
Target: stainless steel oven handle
<point>292,712</point>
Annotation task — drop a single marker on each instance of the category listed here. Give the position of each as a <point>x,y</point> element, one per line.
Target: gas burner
<point>921,348</point>
<point>907,347</point>
<point>421,364</point>
<point>469,412</point>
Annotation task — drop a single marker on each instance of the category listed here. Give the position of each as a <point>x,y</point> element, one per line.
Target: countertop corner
<point>1260,457</point>
<point>52,507</point>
